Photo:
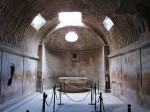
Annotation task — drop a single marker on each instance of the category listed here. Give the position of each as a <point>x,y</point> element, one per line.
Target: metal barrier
<point>101,104</point>
<point>64,84</point>
<point>129,108</point>
<point>53,98</point>
<point>91,95</point>
<point>54,90</point>
<point>95,95</point>
<point>44,100</point>
<point>60,95</point>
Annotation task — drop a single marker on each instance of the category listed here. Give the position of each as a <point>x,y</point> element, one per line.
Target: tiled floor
<point>34,104</point>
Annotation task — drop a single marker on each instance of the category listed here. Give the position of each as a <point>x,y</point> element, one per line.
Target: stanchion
<point>95,99</point>
<point>64,86</point>
<point>98,86</point>
<point>54,90</point>
<point>91,95</point>
<point>95,95</point>
<point>129,108</point>
<point>101,105</point>
<point>60,95</point>
<point>44,100</point>
<point>100,98</point>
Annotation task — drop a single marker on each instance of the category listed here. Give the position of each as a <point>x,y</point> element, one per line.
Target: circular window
<point>71,37</point>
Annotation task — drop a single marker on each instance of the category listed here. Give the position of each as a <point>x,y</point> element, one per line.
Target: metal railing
<point>93,96</point>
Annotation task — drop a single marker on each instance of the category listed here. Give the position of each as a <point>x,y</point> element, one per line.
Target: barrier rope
<point>51,100</point>
<point>79,100</point>
<point>86,87</point>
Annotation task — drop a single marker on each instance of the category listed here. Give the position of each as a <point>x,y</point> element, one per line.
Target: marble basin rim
<point>78,80</point>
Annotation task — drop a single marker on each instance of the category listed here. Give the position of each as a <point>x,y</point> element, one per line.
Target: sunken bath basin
<point>73,84</point>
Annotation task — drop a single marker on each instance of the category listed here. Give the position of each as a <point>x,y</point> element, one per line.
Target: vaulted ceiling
<point>131,23</point>
<point>86,40</point>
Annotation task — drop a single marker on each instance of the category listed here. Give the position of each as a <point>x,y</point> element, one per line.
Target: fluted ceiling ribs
<point>129,24</point>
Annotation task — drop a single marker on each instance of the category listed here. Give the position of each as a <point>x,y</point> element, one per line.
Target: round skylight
<point>71,37</point>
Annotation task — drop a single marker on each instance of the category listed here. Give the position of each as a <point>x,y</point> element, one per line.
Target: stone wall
<point>145,60</point>
<point>0,71</point>
<point>17,76</point>
<point>130,77</point>
<point>115,76</point>
<point>9,91</point>
<point>57,64</point>
<point>30,76</point>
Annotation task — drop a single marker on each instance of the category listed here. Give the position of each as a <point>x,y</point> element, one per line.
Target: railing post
<point>60,95</point>
<point>54,98</point>
<point>64,86</point>
<point>98,86</point>
<point>44,100</point>
<point>95,95</point>
<point>91,95</point>
<point>129,108</point>
<point>100,98</point>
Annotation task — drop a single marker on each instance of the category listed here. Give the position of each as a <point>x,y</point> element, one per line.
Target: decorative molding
<point>71,50</point>
<point>130,48</point>
<point>14,50</point>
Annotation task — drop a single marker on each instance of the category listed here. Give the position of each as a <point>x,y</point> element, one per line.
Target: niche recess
<point>12,70</point>
<point>75,56</point>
